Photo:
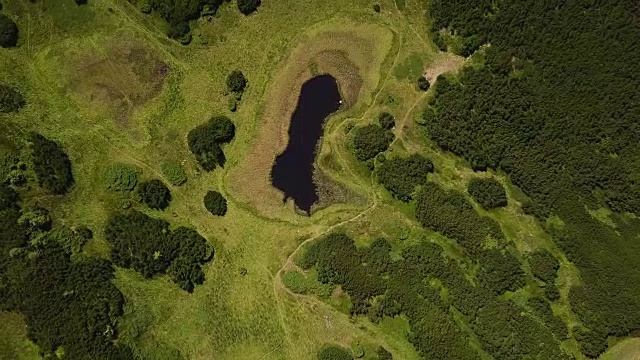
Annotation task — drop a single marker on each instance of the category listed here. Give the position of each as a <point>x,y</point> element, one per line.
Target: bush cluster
<point>174,173</point>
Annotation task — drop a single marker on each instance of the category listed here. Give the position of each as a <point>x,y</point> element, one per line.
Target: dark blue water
<point>292,171</point>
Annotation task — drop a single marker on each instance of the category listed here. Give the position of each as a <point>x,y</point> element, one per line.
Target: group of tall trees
<point>178,13</point>
<point>205,141</point>
<point>68,300</point>
<point>554,107</point>
<point>51,165</point>
<point>370,140</point>
<point>401,176</point>
<point>8,32</point>
<point>150,247</point>
<point>380,285</point>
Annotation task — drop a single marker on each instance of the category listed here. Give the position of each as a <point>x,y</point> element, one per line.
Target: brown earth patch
<point>447,63</point>
<point>117,77</point>
<point>352,57</point>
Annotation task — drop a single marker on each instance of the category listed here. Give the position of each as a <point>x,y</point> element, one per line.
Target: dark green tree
<point>370,140</point>
<point>376,8</point>
<point>488,192</point>
<point>236,82</point>
<point>141,242</point>
<point>248,6</point>
<point>186,273</point>
<point>51,164</point>
<point>8,197</point>
<point>155,194</point>
<point>334,352</point>
<point>8,32</point>
<point>423,83</point>
<point>215,203</point>
<point>204,141</point>
<point>386,120</point>
<point>10,99</point>
<point>223,129</point>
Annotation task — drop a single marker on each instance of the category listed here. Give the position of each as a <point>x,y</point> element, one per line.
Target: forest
<point>379,286</point>
<point>68,299</point>
<point>555,106</point>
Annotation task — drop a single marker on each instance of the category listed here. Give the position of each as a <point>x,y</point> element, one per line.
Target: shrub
<point>487,192</point>
<point>236,82</point>
<point>401,176</point>
<point>215,203</point>
<point>423,83</point>
<point>8,32</point>
<point>121,177</point>
<point>154,194</point>
<point>51,164</point>
<point>386,121</point>
<point>376,8</point>
<point>174,172</point>
<point>248,6</point>
<point>369,141</point>
<point>334,352</point>
<point>10,99</point>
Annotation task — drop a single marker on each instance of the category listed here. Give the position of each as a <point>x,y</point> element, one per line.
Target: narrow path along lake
<point>292,171</point>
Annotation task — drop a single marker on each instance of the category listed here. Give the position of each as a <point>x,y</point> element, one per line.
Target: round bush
<point>423,83</point>
<point>248,6</point>
<point>8,32</point>
<point>215,203</point>
<point>236,82</point>
<point>154,194</point>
